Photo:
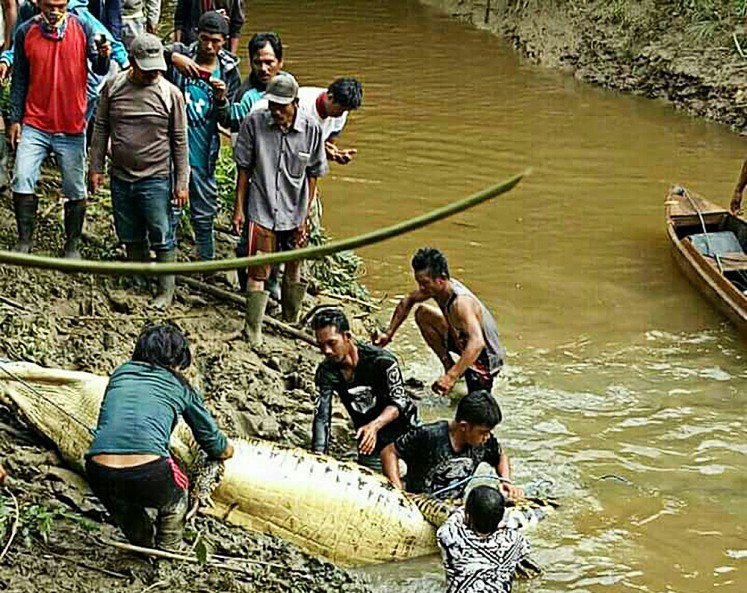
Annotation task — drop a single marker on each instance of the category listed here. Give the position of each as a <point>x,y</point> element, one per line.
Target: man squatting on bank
<point>368,381</point>
<point>461,325</point>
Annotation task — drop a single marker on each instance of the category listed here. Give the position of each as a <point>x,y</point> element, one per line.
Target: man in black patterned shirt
<point>369,383</point>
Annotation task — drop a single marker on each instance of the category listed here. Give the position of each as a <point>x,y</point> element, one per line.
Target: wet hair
<point>259,40</point>
<point>163,345</point>
<point>347,93</point>
<point>479,408</point>
<point>330,317</point>
<point>431,259</point>
<point>484,507</point>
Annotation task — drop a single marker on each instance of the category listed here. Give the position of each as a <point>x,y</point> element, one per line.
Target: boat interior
<point>723,244</point>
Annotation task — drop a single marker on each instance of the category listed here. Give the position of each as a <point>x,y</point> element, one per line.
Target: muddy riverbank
<point>642,47</point>
<point>86,323</point>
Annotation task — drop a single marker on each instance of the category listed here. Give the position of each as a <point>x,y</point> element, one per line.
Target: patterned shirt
<point>477,563</point>
<point>376,384</point>
<point>279,164</point>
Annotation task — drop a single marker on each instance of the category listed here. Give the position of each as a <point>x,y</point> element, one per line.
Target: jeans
<point>35,146</point>
<point>203,207</point>
<point>142,212</point>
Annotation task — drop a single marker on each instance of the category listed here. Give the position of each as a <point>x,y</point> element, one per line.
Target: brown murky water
<point>617,365</point>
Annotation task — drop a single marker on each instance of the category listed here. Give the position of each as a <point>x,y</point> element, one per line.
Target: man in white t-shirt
<point>330,108</point>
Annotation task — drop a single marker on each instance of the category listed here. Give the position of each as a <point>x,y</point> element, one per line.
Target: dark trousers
<point>128,492</point>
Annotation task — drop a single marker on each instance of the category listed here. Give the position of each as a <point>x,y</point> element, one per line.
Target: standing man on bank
<point>145,118</point>
<point>369,383</point>
<point>208,97</point>
<point>461,325</point>
<point>280,155</point>
<point>48,113</point>
<point>188,12</point>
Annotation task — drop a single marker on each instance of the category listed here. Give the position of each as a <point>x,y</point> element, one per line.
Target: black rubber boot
<point>138,253</point>
<point>24,206</point>
<point>166,284</point>
<point>75,214</point>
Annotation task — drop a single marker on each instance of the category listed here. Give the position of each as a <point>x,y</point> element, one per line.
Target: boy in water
<point>480,555</point>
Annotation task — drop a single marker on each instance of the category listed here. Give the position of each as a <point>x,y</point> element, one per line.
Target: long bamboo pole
<point>376,236</point>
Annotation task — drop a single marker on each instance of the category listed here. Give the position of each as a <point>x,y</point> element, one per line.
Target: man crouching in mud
<point>461,325</point>
<point>368,381</point>
<point>442,455</point>
<point>129,465</point>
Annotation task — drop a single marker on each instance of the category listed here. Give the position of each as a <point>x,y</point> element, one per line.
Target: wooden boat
<point>709,244</point>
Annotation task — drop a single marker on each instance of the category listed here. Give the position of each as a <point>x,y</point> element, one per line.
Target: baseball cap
<point>213,22</point>
<point>282,89</point>
<point>147,52</point>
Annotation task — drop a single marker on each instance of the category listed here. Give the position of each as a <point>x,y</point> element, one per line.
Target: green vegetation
<point>36,521</point>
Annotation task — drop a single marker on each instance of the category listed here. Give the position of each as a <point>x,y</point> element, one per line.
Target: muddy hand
<point>443,384</point>
<point>380,339</point>
<point>366,436</point>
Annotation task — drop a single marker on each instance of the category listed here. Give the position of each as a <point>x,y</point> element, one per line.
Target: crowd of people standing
<point>91,81</point>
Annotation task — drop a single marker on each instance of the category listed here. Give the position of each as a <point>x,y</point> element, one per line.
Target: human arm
<point>367,434</point>
<point>235,23</point>
<point>390,466</point>
<point>401,311</point>
<point>100,140</point>
<point>469,317</point>
<point>118,51</point>
<point>389,382</point>
<point>152,14</point>
<point>736,200</point>
<point>179,147</point>
<point>2,475</point>
<point>322,421</point>
<point>338,155</point>
<point>10,15</point>
<point>408,447</point>
<point>243,154</point>
<point>224,111</point>
<point>18,86</point>
<point>206,432</point>
<point>504,473</point>
<point>98,54</point>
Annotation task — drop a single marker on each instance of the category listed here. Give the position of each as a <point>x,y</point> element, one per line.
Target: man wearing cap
<point>48,113</point>
<point>145,118</point>
<point>208,97</point>
<point>330,107</point>
<point>280,154</point>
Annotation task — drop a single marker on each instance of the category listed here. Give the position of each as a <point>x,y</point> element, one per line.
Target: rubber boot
<point>256,303</point>
<point>24,206</point>
<point>170,525</point>
<point>75,214</point>
<point>291,299</point>
<point>166,284</point>
<point>138,253</point>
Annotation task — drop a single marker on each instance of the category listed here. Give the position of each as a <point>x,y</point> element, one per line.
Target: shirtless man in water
<point>461,325</point>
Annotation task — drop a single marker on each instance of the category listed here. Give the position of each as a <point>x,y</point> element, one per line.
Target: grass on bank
<point>706,20</point>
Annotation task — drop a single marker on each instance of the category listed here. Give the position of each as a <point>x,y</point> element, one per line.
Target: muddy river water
<point>617,366</point>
